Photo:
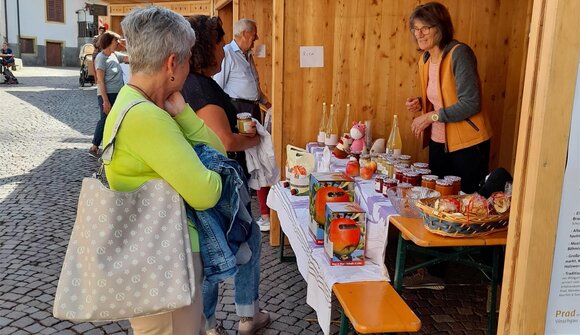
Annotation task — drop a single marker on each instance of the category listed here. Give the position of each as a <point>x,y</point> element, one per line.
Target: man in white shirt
<point>239,79</point>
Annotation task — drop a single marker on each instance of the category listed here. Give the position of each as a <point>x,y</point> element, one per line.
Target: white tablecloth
<point>313,264</point>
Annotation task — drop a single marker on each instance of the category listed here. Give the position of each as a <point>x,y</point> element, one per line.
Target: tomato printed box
<point>345,233</point>
<point>326,187</point>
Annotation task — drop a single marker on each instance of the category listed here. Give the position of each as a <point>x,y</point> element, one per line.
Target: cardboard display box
<point>345,233</point>
<point>326,187</point>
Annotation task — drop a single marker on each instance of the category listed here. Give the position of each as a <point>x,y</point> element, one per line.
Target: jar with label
<point>399,171</point>
<point>423,172</point>
<point>420,165</point>
<point>429,181</point>
<point>244,123</point>
<point>445,187</point>
<point>405,159</point>
<point>389,183</point>
<point>379,184</point>
<point>411,177</point>
<point>456,183</point>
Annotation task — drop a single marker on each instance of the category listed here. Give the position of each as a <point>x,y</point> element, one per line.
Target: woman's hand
<point>420,123</point>
<point>413,105</point>
<point>175,104</point>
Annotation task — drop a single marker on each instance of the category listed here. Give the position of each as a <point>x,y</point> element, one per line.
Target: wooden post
<point>277,102</point>
<point>548,95</point>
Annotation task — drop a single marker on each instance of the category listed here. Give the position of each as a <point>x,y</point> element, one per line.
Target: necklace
<point>141,91</point>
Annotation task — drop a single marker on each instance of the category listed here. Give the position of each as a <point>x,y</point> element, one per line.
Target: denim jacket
<point>225,227</point>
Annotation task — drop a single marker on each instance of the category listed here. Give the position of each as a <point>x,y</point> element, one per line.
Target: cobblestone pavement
<point>45,132</point>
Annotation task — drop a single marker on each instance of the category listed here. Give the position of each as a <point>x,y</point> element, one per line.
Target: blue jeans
<point>98,137</point>
<point>246,283</point>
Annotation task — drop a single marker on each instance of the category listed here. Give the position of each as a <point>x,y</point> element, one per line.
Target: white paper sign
<point>312,56</point>
<point>260,51</point>
<point>563,313</point>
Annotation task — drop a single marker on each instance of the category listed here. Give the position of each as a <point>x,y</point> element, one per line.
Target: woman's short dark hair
<point>436,15</point>
<point>107,38</point>
<point>209,32</point>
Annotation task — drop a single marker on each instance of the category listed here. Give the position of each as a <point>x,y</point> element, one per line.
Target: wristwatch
<point>435,117</point>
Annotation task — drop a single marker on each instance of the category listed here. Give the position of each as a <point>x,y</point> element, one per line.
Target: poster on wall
<point>563,314</point>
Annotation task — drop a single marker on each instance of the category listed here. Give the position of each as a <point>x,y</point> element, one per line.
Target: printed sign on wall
<point>563,314</point>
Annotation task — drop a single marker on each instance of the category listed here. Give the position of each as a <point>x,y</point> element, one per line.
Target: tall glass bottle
<point>322,127</point>
<point>331,130</point>
<point>346,125</point>
<point>395,144</point>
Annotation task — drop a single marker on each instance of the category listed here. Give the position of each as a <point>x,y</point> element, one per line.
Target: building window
<point>27,45</point>
<point>55,10</point>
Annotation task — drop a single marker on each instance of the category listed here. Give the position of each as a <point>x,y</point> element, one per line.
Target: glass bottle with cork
<point>331,138</point>
<point>346,125</point>
<point>395,144</point>
<point>322,127</point>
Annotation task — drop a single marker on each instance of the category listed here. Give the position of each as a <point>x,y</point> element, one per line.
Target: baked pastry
<point>500,202</point>
<point>474,204</point>
<point>447,205</point>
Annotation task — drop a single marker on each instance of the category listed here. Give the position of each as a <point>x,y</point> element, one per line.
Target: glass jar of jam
<point>456,183</point>
<point>379,184</point>
<point>423,172</point>
<point>445,187</point>
<point>405,159</point>
<point>411,177</point>
<point>428,181</point>
<point>420,165</point>
<point>244,122</point>
<point>399,173</point>
<point>389,182</point>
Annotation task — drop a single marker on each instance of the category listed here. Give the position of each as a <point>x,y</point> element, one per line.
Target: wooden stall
<point>370,61</point>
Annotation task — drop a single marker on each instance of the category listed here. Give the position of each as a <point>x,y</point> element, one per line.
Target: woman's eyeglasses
<point>424,30</point>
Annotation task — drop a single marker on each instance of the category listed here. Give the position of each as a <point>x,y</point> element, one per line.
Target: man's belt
<point>257,102</point>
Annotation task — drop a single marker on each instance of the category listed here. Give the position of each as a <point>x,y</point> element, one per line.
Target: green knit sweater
<point>151,144</point>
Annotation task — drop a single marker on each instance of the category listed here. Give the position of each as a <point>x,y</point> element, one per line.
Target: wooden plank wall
<point>370,62</point>
<point>261,11</point>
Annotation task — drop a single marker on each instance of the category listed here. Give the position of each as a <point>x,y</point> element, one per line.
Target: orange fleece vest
<point>458,135</point>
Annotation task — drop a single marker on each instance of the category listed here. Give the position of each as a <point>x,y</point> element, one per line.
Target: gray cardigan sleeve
<point>467,84</point>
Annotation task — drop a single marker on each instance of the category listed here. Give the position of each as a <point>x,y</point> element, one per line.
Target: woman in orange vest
<point>453,121</point>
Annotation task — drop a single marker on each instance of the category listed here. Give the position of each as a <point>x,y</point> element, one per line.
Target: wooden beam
<point>540,161</point>
<point>277,101</point>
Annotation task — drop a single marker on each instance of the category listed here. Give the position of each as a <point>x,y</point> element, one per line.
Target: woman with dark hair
<point>453,122</point>
<point>109,81</point>
<point>214,106</point>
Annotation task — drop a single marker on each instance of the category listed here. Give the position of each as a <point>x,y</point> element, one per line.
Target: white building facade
<point>47,32</point>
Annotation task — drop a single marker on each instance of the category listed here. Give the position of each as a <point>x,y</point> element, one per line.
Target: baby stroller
<point>87,74</point>
<point>8,75</point>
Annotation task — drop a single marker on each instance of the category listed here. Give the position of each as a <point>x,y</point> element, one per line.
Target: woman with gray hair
<point>156,137</point>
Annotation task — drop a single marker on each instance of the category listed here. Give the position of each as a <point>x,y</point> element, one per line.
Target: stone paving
<point>45,132</point>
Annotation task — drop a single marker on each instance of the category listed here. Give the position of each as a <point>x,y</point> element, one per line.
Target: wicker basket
<point>453,225</point>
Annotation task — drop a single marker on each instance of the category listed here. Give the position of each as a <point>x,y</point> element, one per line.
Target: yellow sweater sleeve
<point>151,144</point>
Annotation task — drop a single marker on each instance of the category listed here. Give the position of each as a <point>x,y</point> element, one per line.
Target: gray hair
<point>153,33</point>
<point>244,25</point>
